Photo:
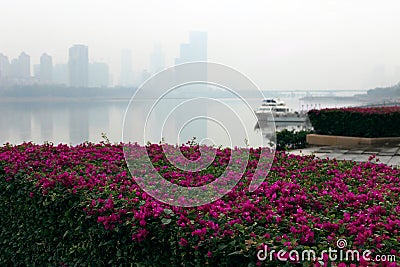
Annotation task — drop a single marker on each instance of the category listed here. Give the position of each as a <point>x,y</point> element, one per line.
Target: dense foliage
<point>63,205</point>
<point>291,139</point>
<point>359,122</point>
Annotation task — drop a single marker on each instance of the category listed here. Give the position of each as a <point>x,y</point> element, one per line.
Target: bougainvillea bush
<point>79,206</point>
<point>358,122</point>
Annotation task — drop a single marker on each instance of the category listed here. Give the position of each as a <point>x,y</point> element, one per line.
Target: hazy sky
<point>280,44</point>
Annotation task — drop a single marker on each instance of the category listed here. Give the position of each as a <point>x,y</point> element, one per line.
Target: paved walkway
<point>388,153</point>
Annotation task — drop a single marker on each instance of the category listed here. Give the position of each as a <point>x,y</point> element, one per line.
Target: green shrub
<point>287,140</point>
<point>45,230</point>
<point>357,122</point>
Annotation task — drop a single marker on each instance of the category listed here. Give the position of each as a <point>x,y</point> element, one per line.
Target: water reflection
<point>59,122</point>
<point>74,122</point>
<point>78,124</point>
<point>45,119</point>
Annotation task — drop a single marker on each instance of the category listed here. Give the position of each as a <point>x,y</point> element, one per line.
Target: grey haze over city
<point>280,45</point>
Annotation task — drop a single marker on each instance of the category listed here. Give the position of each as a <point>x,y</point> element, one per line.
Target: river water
<point>74,122</point>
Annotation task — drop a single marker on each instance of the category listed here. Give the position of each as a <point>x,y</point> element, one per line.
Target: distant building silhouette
<point>19,71</point>
<point>78,66</point>
<point>46,69</point>
<point>98,74</point>
<point>24,66</point>
<point>157,59</point>
<point>4,66</point>
<point>195,50</point>
<point>14,68</point>
<point>126,78</point>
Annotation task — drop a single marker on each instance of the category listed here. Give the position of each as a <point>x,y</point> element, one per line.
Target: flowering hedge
<point>63,205</point>
<point>359,122</point>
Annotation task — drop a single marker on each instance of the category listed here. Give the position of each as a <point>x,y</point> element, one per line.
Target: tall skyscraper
<point>98,74</point>
<point>20,68</point>
<point>46,69</point>
<point>195,50</point>
<point>157,59</point>
<point>126,78</point>
<point>198,41</point>
<point>14,68</point>
<point>4,66</point>
<point>24,65</point>
<point>78,66</point>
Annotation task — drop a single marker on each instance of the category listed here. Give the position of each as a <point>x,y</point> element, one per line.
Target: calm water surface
<point>74,122</point>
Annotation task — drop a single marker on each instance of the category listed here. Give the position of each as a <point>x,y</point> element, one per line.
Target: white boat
<point>280,112</point>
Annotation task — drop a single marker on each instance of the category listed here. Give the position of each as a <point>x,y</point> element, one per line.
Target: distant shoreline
<point>62,99</point>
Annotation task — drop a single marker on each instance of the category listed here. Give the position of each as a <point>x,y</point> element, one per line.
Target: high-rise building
<point>14,68</point>
<point>98,74</point>
<point>20,68</point>
<point>60,74</point>
<point>198,41</point>
<point>46,69</point>
<point>4,66</point>
<point>195,50</point>
<point>157,59</point>
<point>36,71</point>
<point>24,65</point>
<point>126,78</point>
<point>78,66</point>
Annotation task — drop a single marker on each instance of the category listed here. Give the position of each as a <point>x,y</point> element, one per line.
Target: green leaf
<point>166,221</point>
<point>66,233</point>
<point>168,211</point>
<point>235,253</point>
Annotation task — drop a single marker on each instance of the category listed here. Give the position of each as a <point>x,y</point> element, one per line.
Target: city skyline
<point>79,71</point>
<point>287,44</point>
